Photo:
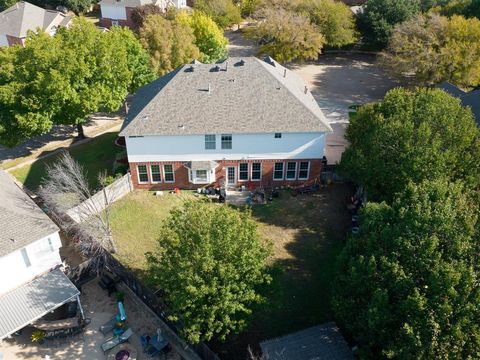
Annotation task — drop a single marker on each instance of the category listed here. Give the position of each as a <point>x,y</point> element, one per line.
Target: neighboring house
<point>319,342</point>
<point>470,99</point>
<point>18,19</point>
<point>245,121</point>
<point>31,284</point>
<point>119,12</point>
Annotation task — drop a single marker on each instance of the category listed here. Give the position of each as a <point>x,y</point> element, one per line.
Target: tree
<point>411,136</point>
<point>170,43</point>
<point>286,35</point>
<point>139,14</point>
<point>77,6</point>
<point>65,187</point>
<point>378,18</point>
<point>223,12</point>
<point>437,48</point>
<point>209,262</point>
<point>5,4</point>
<point>407,285</point>
<point>333,18</point>
<point>209,37</point>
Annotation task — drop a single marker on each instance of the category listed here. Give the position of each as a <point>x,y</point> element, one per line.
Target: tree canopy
<point>224,12</point>
<point>411,136</point>
<point>408,283</point>
<point>437,48</point>
<point>171,43</point>
<point>5,4</point>
<point>139,14</point>
<point>209,263</point>
<point>209,37</point>
<point>64,78</point>
<point>377,20</point>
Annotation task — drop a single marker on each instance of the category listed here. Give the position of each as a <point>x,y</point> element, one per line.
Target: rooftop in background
<point>239,95</point>
<point>23,16</point>
<point>470,99</point>
<point>23,222</point>
<point>322,342</point>
<point>129,3</point>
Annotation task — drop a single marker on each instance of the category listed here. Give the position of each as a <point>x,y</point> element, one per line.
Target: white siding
<point>113,12</point>
<point>3,40</point>
<point>14,272</point>
<point>245,146</point>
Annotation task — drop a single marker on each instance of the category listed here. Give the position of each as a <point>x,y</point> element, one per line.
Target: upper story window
<point>278,171</point>
<point>142,173</point>
<point>226,141</point>
<point>26,259</point>
<point>210,142</point>
<point>278,135</point>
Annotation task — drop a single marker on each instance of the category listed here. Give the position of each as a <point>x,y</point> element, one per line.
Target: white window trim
<point>248,172</point>
<point>235,175</point>
<point>138,174</point>
<point>308,171</point>
<point>173,173</point>
<point>296,169</point>
<point>251,171</point>
<point>221,141</point>
<point>151,174</point>
<point>194,179</point>
<point>283,171</point>
<point>214,141</point>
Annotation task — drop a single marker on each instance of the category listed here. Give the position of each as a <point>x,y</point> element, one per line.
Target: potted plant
<point>38,336</point>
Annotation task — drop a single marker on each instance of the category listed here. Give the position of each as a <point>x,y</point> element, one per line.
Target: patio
<point>87,345</point>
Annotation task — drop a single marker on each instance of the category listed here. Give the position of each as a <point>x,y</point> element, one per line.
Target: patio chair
<point>153,346</point>
<point>116,340</point>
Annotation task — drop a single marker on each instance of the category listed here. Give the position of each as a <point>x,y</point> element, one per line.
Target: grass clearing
<point>95,156</point>
<point>307,233</point>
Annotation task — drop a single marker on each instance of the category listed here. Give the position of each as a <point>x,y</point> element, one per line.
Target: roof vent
<point>145,117</point>
<point>306,90</point>
<point>181,126</point>
<point>190,69</point>
<point>239,63</point>
<point>284,73</point>
<point>216,68</point>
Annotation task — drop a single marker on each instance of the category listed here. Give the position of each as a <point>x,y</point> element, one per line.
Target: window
<point>201,176</point>
<point>291,170</point>
<point>226,141</point>
<point>26,260</point>
<point>243,171</point>
<point>278,171</point>
<point>142,173</point>
<point>155,173</point>
<point>278,135</point>
<point>210,142</point>
<point>304,171</point>
<point>256,171</point>
<point>168,173</point>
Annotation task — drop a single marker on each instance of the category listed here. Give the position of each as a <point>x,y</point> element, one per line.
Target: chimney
<point>306,89</point>
<point>284,73</point>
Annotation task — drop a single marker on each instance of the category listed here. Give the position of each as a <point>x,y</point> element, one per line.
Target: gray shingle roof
<point>23,16</point>
<point>31,301</point>
<point>323,342</point>
<point>248,95</point>
<point>470,99</point>
<point>22,221</point>
<point>450,88</point>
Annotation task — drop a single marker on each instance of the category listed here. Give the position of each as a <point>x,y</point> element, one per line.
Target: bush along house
<point>243,122</point>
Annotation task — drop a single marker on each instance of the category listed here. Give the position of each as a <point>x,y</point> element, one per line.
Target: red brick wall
<point>182,181</point>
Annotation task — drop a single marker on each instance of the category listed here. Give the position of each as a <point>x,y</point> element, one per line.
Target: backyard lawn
<point>95,156</point>
<point>307,234</point>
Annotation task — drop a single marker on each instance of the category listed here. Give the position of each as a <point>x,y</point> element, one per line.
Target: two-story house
<point>21,17</point>
<point>31,282</point>
<point>119,12</point>
<point>244,121</point>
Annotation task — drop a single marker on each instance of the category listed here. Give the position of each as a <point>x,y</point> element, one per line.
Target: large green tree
<point>411,136</point>
<point>408,284</point>
<point>171,43</point>
<point>286,35</point>
<point>5,4</point>
<point>436,48</point>
<point>209,263</point>
<point>64,78</point>
<point>209,37</point>
<point>224,12</point>
<point>378,18</point>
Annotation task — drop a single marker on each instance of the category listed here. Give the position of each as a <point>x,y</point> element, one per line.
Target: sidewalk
<point>60,137</point>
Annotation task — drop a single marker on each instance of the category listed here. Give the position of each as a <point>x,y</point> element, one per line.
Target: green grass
<point>95,156</point>
<point>307,233</point>
<point>136,221</point>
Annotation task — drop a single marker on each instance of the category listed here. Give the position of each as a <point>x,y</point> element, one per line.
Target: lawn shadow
<point>308,233</point>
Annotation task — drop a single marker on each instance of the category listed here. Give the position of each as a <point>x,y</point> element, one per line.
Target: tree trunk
<point>81,134</point>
